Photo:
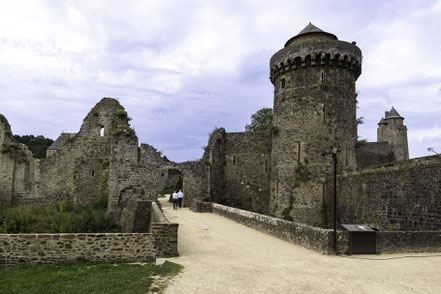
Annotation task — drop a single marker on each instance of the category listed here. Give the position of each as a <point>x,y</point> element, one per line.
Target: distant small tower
<point>392,130</point>
<point>314,108</point>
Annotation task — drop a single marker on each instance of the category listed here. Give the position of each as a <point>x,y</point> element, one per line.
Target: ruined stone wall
<point>214,156</point>
<point>17,166</point>
<point>402,197</point>
<point>79,169</point>
<point>240,167</point>
<point>7,162</point>
<point>6,177</point>
<point>195,181</point>
<point>136,216</point>
<point>134,173</point>
<point>247,171</point>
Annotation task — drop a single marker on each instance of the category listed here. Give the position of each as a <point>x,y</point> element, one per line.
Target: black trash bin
<point>362,239</point>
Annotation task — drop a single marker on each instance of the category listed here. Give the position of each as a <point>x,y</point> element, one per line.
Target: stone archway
<point>194,176</point>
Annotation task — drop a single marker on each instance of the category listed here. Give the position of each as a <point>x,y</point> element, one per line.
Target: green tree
<point>38,145</point>
<point>261,120</point>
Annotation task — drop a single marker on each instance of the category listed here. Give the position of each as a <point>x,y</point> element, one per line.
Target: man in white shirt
<point>175,200</point>
<point>180,197</point>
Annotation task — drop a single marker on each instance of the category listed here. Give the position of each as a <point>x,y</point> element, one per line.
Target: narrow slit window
<point>322,77</point>
<point>298,153</point>
<point>282,83</point>
<point>102,131</point>
<point>234,160</point>
<point>93,172</point>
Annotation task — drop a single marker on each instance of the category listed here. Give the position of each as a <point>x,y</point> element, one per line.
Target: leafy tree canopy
<point>261,120</point>
<point>38,145</point>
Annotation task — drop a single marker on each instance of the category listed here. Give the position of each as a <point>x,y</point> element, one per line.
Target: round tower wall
<point>395,133</point>
<point>314,108</point>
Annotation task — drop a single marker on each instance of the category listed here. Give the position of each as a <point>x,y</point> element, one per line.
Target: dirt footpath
<point>221,256</point>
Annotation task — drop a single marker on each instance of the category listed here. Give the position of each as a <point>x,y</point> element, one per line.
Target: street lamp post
<point>333,152</point>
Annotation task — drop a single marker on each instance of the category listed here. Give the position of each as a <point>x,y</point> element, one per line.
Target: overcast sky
<point>181,68</point>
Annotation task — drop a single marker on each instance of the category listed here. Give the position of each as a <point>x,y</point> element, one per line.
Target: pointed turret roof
<point>382,121</point>
<point>311,29</point>
<point>393,114</point>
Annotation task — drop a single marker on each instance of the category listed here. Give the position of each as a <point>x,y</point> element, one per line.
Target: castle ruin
<point>278,173</point>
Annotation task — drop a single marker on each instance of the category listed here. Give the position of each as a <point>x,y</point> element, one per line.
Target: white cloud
<point>181,68</point>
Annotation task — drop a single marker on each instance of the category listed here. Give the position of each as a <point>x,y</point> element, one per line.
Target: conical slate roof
<point>311,29</point>
<point>393,114</point>
<point>382,121</point>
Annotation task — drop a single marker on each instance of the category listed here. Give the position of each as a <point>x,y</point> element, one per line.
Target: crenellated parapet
<point>313,47</point>
<point>288,60</point>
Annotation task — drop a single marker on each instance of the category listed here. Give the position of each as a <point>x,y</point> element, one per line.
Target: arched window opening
<point>102,131</point>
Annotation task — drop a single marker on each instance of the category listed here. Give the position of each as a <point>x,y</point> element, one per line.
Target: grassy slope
<point>88,277</point>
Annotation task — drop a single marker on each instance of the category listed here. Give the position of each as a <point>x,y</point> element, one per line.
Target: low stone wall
<point>16,249</point>
<point>396,242</point>
<point>165,234</point>
<point>201,206</point>
<point>307,236</point>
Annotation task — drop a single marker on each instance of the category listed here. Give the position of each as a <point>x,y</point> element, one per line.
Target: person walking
<point>180,198</point>
<point>175,200</point>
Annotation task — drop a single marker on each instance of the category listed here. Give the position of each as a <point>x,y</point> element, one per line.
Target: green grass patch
<point>61,217</point>
<point>87,277</point>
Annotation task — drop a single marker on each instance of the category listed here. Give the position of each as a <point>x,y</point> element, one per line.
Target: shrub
<point>9,147</point>
<point>121,113</point>
<point>61,217</point>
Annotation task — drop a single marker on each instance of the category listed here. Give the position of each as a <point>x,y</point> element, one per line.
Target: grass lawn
<point>87,277</point>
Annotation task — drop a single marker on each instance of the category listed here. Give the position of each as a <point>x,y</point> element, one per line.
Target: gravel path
<point>221,256</point>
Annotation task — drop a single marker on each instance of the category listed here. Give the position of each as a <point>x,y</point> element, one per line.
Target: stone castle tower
<point>314,108</point>
<point>392,130</point>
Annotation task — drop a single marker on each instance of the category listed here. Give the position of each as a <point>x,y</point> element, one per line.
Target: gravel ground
<point>221,256</point>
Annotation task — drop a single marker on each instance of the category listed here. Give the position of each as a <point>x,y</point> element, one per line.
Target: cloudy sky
<point>181,68</point>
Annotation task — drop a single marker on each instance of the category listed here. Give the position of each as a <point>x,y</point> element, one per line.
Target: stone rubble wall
<point>17,166</point>
<point>165,233</point>
<point>136,216</point>
<point>405,196</point>
<point>306,236</point>
<point>398,242</point>
<point>240,167</point>
<point>162,241</point>
<point>201,206</point>
<point>322,240</point>
<point>19,249</point>
<point>373,153</point>
<point>196,181</point>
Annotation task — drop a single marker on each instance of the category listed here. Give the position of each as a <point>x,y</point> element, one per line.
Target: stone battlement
<point>296,61</point>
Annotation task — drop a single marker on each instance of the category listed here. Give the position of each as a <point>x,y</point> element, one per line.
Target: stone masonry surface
<point>49,248</point>
<point>310,237</point>
<point>405,196</point>
<point>161,241</point>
